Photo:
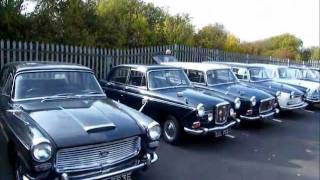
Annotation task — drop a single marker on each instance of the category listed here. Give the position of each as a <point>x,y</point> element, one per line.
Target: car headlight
<point>237,103</point>
<point>278,93</point>
<point>154,131</point>
<point>253,100</point>
<point>292,94</point>
<point>232,113</point>
<point>200,109</point>
<point>41,150</point>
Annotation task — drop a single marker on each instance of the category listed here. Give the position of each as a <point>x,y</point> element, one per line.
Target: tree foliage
<point>130,23</point>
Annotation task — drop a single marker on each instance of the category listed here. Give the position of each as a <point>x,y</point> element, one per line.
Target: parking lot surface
<point>285,148</point>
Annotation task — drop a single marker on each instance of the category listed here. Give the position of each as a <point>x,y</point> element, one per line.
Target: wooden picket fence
<point>102,59</point>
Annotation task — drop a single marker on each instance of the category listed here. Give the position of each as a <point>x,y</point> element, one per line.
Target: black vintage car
<point>165,94</point>
<point>249,103</point>
<point>59,124</point>
<point>287,97</point>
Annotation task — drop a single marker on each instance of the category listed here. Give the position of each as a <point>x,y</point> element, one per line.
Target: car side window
<point>137,78</point>
<point>241,73</point>
<point>8,86</point>
<point>120,75</point>
<point>196,76</point>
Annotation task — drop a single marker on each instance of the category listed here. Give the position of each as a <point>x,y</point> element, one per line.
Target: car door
<point>115,87</point>
<point>135,89</point>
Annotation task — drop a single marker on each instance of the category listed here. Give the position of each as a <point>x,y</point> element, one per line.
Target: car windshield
<point>159,79</point>
<point>55,83</point>
<point>220,76</point>
<point>311,74</point>
<point>288,73</point>
<point>259,74</point>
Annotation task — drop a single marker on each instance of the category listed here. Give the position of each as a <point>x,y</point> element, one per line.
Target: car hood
<point>240,90</point>
<point>72,123</point>
<point>272,87</point>
<point>190,97</point>
<point>303,83</point>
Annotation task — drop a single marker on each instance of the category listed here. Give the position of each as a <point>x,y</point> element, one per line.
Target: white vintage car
<point>291,76</point>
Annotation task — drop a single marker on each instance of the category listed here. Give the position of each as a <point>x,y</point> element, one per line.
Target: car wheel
<point>172,130</point>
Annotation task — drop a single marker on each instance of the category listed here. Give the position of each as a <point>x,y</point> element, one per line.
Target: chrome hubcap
<point>170,130</point>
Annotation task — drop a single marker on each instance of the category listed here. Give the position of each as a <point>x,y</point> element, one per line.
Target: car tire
<point>172,131</point>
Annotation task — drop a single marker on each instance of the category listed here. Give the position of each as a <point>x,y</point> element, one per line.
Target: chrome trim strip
<point>204,131</point>
<point>257,117</point>
<point>313,101</point>
<point>299,106</point>
<point>155,99</point>
<point>100,127</point>
<point>130,169</point>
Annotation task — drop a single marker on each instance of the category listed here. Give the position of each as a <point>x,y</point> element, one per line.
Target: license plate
<point>221,133</point>
<point>126,176</point>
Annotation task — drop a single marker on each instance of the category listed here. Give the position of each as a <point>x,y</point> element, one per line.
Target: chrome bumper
<point>312,100</point>
<point>204,131</point>
<point>293,107</point>
<point>262,116</point>
<point>150,160</point>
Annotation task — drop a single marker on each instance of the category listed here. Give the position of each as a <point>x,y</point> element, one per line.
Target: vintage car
<point>286,75</point>
<point>249,103</point>
<point>306,73</point>
<point>166,95</point>
<point>287,97</point>
<point>59,124</point>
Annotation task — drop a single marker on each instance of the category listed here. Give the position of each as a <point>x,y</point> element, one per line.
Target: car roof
<point>197,66</point>
<point>145,68</point>
<point>33,65</point>
<point>236,64</point>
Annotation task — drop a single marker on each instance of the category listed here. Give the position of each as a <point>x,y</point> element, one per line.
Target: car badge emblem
<point>103,154</point>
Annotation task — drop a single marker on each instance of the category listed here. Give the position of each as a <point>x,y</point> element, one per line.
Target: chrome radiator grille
<point>222,113</point>
<point>96,156</point>
<point>266,105</point>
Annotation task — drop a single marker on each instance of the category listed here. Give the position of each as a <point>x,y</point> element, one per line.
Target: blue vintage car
<point>166,94</point>
<point>59,124</point>
<point>287,97</point>
<point>293,77</point>
<point>250,103</point>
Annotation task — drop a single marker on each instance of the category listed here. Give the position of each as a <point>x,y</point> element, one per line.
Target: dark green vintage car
<point>166,95</point>
<point>59,124</point>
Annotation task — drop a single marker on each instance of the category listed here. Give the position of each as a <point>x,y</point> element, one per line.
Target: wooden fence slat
<point>101,59</point>
<point>2,50</point>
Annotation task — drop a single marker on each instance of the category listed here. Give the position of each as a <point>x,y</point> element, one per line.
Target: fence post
<point>288,62</point>
<point>1,54</point>
<point>247,58</point>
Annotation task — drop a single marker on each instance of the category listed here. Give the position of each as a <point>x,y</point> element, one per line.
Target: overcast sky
<point>252,20</point>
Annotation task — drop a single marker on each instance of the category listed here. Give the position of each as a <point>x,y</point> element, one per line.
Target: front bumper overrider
<point>261,116</point>
<point>204,131</point>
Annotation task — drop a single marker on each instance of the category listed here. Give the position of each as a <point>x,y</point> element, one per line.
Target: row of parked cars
<point>60,122</point>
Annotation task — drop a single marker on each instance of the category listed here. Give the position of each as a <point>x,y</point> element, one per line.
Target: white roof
<point>273,66</point>
<point>196,66</point>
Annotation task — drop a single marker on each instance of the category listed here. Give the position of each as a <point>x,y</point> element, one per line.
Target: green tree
<point>315,53</point>
<point>211,36</point>
<point>232,43</point>
<point>178,29</point>
<point>13,23</point>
